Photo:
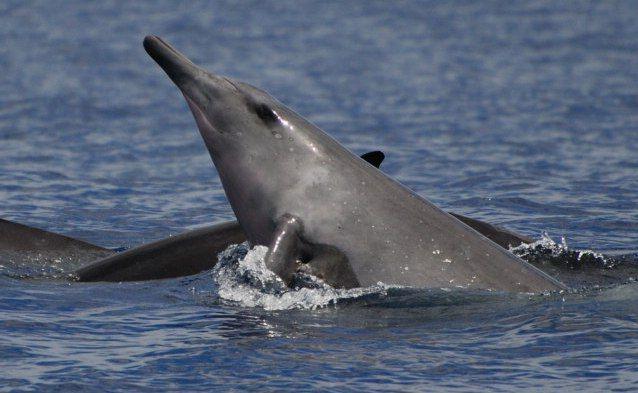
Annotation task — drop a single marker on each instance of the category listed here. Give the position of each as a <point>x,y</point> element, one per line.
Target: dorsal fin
<point>374,158</point>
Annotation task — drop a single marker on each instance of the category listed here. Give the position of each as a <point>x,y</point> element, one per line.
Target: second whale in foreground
<point>323,210</point>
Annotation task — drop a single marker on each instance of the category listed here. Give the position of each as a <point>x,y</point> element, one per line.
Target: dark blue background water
<point>522,114</point>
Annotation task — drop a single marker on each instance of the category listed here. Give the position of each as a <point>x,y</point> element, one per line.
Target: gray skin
<point>298,191</point>
<point>182,255</point>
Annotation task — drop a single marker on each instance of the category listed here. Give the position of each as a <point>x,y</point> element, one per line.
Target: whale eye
<point>265,113</point>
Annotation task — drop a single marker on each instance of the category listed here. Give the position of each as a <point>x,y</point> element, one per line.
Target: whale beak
<point>177,66</point>
<point>197,85</point>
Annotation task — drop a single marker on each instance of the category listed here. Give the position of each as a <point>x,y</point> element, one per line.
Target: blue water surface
<point>518,113</point>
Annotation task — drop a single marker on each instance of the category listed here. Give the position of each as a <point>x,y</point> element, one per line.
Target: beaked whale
<point>319,208</point>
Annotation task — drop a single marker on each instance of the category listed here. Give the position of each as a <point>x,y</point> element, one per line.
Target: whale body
<point>323,210</point>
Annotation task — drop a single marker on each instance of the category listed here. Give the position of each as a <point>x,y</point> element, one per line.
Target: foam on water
<point>549,250</point>
<point>241,277</point>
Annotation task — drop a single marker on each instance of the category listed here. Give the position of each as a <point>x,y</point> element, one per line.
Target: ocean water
<point>523,114</point>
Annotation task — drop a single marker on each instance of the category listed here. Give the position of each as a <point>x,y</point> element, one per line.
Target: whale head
<point>260,147</point>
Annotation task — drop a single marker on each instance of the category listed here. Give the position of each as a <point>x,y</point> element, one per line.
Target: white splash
<point>559,250</point>
<point>241,277</point>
